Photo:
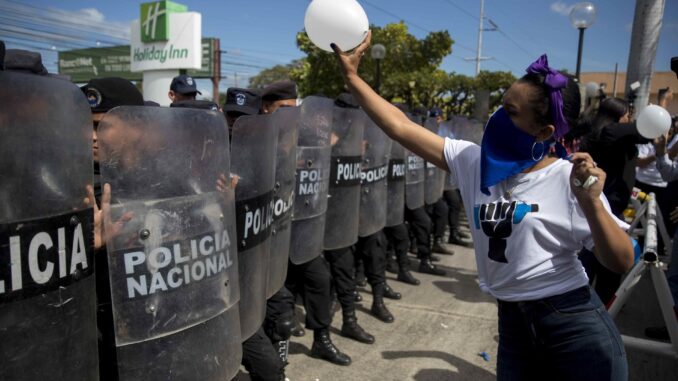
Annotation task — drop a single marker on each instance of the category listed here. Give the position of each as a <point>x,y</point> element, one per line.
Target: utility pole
<point>647,24</point>
<point>235,77</point>
<point>480,35</point>
<point>481,29</point>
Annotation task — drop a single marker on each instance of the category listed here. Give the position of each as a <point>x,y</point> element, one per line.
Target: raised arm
<point>612,246</point>
<point>391,120</point>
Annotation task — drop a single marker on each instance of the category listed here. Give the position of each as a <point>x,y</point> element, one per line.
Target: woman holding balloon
<point>532,212</point>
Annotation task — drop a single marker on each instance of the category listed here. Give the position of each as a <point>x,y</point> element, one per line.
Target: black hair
<point>540,100</point>
<point>609,112</point>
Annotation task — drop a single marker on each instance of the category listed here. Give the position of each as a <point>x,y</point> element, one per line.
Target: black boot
<point>298,330</point>
<point>456,239</point>
<point>352,330</point>
<point>357,296</point>
<point>389,293</point>
<point>462,234</point>
<point>406,277</point>
<point>324,348</point>
<point>425,266</point>
<point>379,309</point>
<point>439,248</point>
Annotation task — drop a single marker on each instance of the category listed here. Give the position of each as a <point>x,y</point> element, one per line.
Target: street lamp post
<point>378,52</point>
<point>582,16</point>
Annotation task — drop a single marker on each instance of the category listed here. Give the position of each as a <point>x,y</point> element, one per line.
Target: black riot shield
<point>47,288</point>
<point>173,258</point>
<point>312,179</point>
<point>374,187</point>
<point>397,167</point>
<point>253,154</point>
<point>341,223</point>
<point>434,182</point>
<point>286,120</point>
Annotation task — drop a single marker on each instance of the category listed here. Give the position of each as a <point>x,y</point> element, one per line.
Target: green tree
<point>409,71</point>
<point>497,82</point>
<point>457,94</point>
<point>274,74</point>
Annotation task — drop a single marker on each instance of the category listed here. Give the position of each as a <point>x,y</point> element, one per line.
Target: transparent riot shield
<point>450,129</point>
<point>341,223</point>
<point>462,128</point>
<point>172,256</point>
<point>253,154</point>
<point>415,175</point>
<point>47,286</point>
<point>374,184</point>
<point>287,124</point>
<point>312,179</point>
<point>395,208</point>
<point>475,132</point>
<point>414,181</point>
<point>434,183</point>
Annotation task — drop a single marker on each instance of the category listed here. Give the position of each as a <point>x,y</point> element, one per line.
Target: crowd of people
<point>545,194</point>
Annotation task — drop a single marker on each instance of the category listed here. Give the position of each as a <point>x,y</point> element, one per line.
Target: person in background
<point>278,94</point>
<point>611,141</point>
<point>183,88</point>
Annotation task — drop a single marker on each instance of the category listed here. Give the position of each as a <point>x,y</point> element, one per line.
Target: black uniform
<point>312,281</point>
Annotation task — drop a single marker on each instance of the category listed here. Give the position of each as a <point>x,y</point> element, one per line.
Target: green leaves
<point>410,72</point>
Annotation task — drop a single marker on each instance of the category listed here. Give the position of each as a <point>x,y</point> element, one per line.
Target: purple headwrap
<point>555,82</point>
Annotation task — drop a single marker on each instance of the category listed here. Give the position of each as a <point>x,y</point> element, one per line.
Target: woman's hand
<point>350,61</point>
<point>586,179</point>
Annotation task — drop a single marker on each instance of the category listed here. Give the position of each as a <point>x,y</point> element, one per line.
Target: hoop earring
<point>542,151</point>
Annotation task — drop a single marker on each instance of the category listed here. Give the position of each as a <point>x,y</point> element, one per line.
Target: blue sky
<point>261,33</point>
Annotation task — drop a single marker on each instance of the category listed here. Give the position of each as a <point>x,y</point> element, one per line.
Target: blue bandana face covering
<point>506,150</point>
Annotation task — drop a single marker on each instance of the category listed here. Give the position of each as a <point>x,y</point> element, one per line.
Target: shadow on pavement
<point>298,348</point>
<point>465,370</point>
<point>463,285</point>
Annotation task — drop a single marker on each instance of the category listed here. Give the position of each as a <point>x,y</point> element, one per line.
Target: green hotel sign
<point>84,64</point>
<point>155,19</point>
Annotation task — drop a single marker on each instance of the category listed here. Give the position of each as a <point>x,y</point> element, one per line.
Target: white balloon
<point>653,122</point>
<point>342,22</point>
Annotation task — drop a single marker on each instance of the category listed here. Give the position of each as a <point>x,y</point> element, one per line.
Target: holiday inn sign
<point>166,36</point>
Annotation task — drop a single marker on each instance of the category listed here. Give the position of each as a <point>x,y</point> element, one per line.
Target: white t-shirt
<point>536,224</point>
<point>649,174</point>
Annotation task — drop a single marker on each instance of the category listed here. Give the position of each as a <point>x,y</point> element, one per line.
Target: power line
<point>395,16</point>
<point>471,15</point>
<point>411,23</point>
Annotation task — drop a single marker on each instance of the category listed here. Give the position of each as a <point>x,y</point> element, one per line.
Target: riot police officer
<point>308,277</point>
<point>260,357</point>
<point>104,94</point>
<point>183,88</point>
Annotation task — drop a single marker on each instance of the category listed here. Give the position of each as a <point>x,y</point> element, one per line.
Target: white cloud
<point>82,23</point>
<point>561,8</point>
<point>92,18</point>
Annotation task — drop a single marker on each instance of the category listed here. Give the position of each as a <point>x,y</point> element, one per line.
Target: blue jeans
<point>563,337</point>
